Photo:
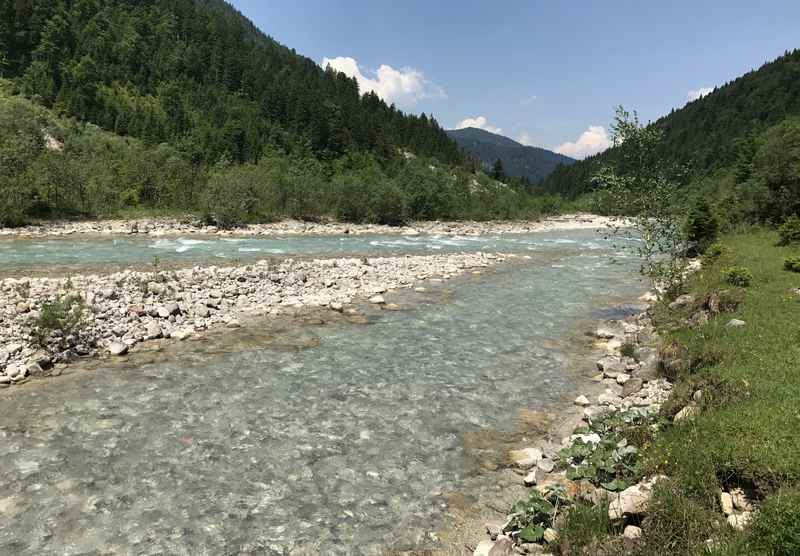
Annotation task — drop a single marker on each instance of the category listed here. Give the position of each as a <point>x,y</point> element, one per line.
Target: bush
<point>789,231</point>
<point>715,250</point>
<point>737,276</point>
<point>63,315</point>
<point>776,527</point>
<point>702,228</point>
<point>628,350</point>
<point>792,264</point>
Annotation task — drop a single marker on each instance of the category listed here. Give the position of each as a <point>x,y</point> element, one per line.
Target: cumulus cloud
<point>528,100</point>
<point>404,87</point>
<point>695,94</point>
<point>480,122</point>
<point>592,141</point>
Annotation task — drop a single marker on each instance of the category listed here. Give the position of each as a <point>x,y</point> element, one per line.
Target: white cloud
<point>480,122</point>
<point>592,141</point>
<point>528,100</point>
<point>695,94</point>
<point>404,87</point>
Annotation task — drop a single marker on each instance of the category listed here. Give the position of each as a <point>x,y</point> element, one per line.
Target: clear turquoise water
<point>35,253</point>
<point>344,448</point>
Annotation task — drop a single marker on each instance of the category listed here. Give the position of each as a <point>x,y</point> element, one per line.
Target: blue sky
<point>547,73</point>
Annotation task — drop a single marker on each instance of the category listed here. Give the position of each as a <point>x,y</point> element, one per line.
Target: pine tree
<point>498,172</point>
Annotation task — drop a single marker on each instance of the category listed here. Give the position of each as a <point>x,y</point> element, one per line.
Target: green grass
<point>747,433</point>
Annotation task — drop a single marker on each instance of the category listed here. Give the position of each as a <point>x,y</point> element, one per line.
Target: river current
<point>334,439</point>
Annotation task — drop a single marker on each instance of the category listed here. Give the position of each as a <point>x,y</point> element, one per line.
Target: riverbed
<point>336,438</point>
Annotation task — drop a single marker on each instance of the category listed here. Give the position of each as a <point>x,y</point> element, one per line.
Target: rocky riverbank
<point>585,457</point>
<point>190,226</point>
<point>47,322</point>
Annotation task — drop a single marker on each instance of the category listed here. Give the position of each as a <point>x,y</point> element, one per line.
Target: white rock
<point>153,331</point>
<point>336,306</point>
<point>632,532</point>
<point>531,478</point>
<point>735,323</point>
<point>622,378</point>
<point>582,401</point>
<point>525,458</point>
<point>687,413</point>
<point>550,535</point>
<point>740,521</point>
<point>546,465</point>
<point>483,548</point>
<point>181,333</point>
<point>633,500</point>
<point>117,348</point>
<point>740,500</point>
<point>377,300</point>
<point>726,503</point>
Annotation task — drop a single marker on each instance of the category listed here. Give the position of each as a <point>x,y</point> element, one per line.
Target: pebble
<point>117,348</point>
<point>582,401</point>
<point>736,323</point>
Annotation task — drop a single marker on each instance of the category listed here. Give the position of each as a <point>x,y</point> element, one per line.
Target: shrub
<point>792,264</point>
<point>715,250</point>
<point>737,276</point>
<point>63,314</point>
<point>628,350</point>
<point>789,231</point>
<point>701,228</point>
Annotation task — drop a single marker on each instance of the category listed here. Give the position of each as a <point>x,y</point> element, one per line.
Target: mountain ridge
<point>523,161</point>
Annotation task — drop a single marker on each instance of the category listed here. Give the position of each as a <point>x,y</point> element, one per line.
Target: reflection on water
<point>260,444</point>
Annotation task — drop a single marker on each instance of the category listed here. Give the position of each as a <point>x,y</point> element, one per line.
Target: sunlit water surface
<point>343,448</point>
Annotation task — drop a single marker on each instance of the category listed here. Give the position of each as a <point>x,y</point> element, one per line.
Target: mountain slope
<point>518,160</point>
<point>706,133</point>
<point>199,75</point>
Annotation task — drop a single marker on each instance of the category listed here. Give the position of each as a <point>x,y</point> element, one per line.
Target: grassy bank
<point>746,432</point>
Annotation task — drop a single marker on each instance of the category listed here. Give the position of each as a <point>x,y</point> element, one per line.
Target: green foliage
<point>789,232</point>
<point>612,462</point>
<point>712,132</point>
<point>628,350</point>
<point>714,251</point>
<point>641,185</point>
<point>737,276</point>
<point>702,227</point>
<point>497,170</point>
<point>776,527</point>
<point>585,527</point>
<point>532,516</point>
<point>201,75</point>
<point>792,264</point>
<point>745,434</point>
<point>63,315</point>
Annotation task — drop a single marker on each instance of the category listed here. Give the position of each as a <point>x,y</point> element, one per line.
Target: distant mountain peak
<point>534,163</point>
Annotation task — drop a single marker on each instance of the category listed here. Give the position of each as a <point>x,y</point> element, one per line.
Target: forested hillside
<point>199,75</point>
<point>521,161</point>
<point>709,133</point>
<point>109,107</point>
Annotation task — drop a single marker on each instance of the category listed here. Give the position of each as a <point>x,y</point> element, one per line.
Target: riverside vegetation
<point>712,468</point>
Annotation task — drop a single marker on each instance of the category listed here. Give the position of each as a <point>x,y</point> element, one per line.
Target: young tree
<point>646,190</point>
<point>498,172</point>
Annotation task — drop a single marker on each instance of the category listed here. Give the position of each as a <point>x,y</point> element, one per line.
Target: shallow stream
<point>251,445</point>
